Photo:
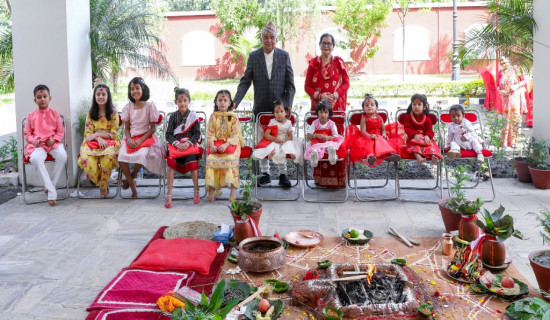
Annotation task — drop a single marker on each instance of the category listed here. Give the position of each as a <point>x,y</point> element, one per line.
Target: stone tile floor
<point>55,260</point>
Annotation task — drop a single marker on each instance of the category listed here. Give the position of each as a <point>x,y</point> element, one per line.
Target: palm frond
<point>508,32</point>
<point>6,61</point>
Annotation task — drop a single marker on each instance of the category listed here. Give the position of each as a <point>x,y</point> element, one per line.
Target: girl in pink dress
<point>323,136</point>
<point>141,145</point>
<point>370,143</point>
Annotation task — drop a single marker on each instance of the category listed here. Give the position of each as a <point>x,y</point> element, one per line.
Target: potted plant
<point>467,229</point>
<point>521,162</point>
<point>452,219</point>
<point>497,229</point>
<point>540,259</point>
<point>246,213</point>
<point>207,310</point>
<point>539,168</point>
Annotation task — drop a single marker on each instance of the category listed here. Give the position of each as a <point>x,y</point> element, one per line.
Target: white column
<point>541,71</point>
<point>51,46</point>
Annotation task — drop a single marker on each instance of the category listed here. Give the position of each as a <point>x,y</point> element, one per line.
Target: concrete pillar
<point>541,71</point>
<point>51,46</point>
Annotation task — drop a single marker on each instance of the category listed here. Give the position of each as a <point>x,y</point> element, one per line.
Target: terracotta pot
<point>271,256</point>
<point>467,229</point>
<point>493,252</point>
<point>542,273</point>
<point>541,178</point>
<point>245,230</point>
<point>522,169</point>
<point>450,219</point>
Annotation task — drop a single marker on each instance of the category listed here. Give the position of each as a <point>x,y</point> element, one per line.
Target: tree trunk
<point>403,53</point>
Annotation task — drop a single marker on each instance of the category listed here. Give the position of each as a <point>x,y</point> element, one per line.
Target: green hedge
<point>474,88</point>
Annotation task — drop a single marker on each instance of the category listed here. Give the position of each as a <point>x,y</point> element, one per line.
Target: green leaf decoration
<point>400,262</point>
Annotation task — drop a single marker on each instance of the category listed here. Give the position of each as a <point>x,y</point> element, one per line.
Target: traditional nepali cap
<point>270,28</point>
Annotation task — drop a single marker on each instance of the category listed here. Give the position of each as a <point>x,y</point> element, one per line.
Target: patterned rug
<point>133,293</point>
<point>451,299</point>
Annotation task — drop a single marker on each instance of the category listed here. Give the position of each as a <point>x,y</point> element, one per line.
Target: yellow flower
<point>468,96</point>
<point>466,102</point>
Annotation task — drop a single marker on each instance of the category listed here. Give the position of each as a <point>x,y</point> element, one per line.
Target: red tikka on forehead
<point>42,91</point>
<point>101,90</point>
<point>181,96</point>
<point>223,96</point>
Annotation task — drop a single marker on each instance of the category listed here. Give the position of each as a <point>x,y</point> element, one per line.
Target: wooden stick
<point>410,240</point>
<point>402,237</point>
<point>252,296</point>
<point>360,277</point>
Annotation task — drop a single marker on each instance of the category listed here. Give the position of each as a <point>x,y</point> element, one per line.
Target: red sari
<point>330,78</point>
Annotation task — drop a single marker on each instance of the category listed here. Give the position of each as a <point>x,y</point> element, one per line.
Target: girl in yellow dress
<point>99,150</point>
<point>224,147</point>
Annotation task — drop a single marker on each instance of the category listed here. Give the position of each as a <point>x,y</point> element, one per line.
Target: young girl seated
<point>99,150</point>
<point>224,140</point>
<point>278,142</point>
<point>141,146</point>
<point>420,134</point>
<point>370,143</point>
<point>461,134</point>
<point>44,133</point>
<point>323,136</point>
<point>183,133</point>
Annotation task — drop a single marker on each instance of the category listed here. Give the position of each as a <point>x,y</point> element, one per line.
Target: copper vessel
<point>261,254</point>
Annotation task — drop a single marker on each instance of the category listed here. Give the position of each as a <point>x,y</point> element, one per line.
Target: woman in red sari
<point>327,77</point>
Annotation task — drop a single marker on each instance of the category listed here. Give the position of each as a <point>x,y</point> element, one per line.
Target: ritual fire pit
<point>365,290</point>
<point>261,254</point>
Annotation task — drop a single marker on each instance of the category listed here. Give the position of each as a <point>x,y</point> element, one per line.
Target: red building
<point>195,52</point>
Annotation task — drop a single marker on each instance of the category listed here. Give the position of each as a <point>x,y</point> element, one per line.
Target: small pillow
<point>181,254</point>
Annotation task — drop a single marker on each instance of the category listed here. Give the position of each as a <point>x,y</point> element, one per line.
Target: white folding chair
<point>262,120</point>
<point>354,118</point>
<point>406,157</point>
<point>49,159</point>
<point>474,117</point>
<point>82,195</point>
<point>339,119</point>
<point>142,184</point>
<point>202,154</point>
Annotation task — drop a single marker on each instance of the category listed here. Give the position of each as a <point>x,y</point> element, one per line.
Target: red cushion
<point>446,117</point>
<point>48,158</point>
<point>471,153</point>
<point>180,254</point>
<point>246,152</point>
<point>356,118</point>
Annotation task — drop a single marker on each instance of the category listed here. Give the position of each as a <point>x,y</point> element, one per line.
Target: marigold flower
<point>468,96</point>
<point>466,102</point>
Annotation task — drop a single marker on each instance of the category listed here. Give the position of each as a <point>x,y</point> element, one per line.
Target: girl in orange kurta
<point>224,148</point>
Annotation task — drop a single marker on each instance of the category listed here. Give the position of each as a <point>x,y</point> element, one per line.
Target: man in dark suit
<point>269,70</point>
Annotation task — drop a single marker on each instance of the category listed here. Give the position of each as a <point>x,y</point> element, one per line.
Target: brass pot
<point>261,254</point>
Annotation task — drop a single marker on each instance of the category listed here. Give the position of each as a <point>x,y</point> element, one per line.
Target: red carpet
<point>133,293</point>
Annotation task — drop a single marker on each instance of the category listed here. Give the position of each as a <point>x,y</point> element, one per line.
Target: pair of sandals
<point>168,202</point>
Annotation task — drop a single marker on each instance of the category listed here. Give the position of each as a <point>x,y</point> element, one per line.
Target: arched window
<point>198,49</point>
<point>417,43</point>
<point>339,38</point>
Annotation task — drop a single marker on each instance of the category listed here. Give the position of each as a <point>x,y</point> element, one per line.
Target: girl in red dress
<point>370,143</point>
<point>420,134</point>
